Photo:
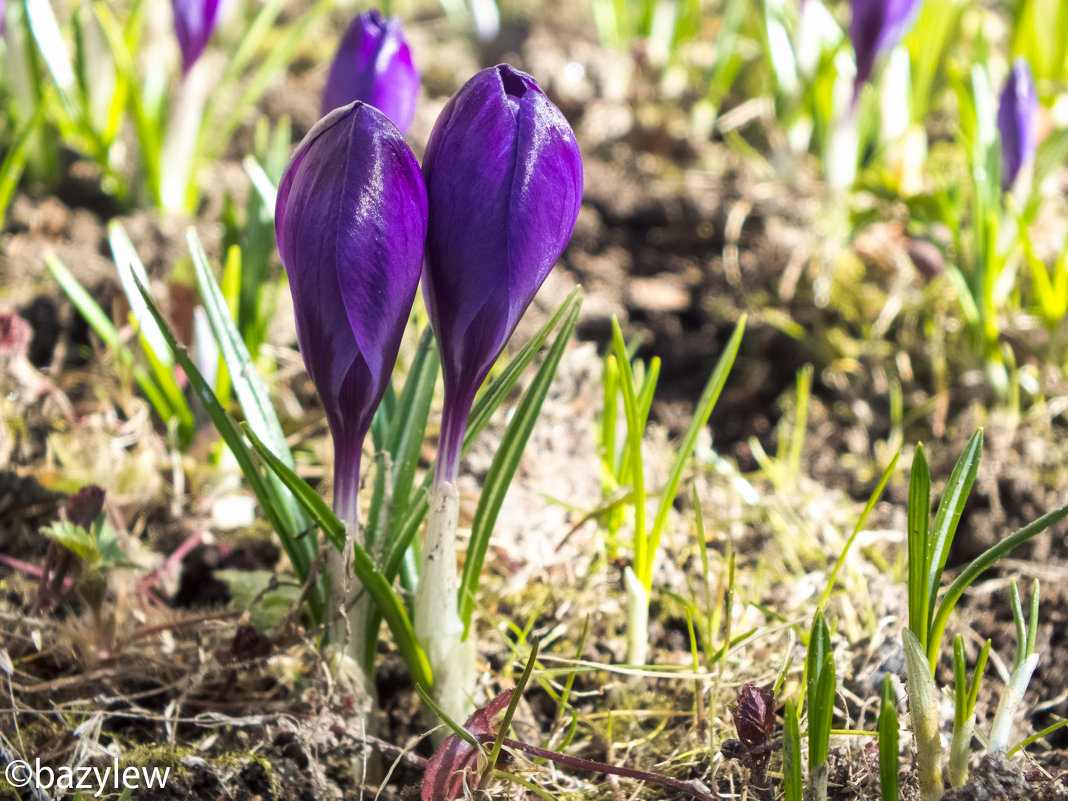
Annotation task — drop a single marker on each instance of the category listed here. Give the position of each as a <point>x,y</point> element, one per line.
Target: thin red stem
<point>685,788</point>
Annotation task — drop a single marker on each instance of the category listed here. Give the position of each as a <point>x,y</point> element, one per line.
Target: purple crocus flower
<point>1017,112</point>
<point>876,26</point>
<point>504,181</point>
<point>373,64</point>
<point>194,22</point>
<point>350,220</point>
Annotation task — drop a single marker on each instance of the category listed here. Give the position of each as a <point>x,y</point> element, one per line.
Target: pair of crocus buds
<point>492,209</point>
<point>1017,116</point>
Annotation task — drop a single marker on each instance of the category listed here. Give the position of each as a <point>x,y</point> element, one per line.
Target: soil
<point>678,237</point>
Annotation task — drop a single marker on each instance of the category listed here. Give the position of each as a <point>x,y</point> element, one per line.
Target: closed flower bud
<point>1017,112</point>
<point>373,64</point>
<point>504,182</point>
<point>876,26</point>
<point>194,22</point>
<point>350,221</point>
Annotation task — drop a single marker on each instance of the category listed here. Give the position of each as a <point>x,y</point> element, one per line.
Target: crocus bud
<point>350,221</point>
<point>1017,112</point>
<point>504,181</point>
<point>876,26</point>
<point>194,22</point>
<point>373,64</point>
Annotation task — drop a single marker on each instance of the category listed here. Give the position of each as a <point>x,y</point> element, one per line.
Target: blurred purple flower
<point>876,26</point>
<point>504,182</point>
<point>194,22</point>
<point>85,506</point>
<point>350,220</point>
<point>1017,114</point>
<point>373,64</point>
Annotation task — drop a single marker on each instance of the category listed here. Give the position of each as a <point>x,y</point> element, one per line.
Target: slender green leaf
<point>490,398</point>
<point>979,566</point>
<point>513,702</point>
<point>793,782</point>
<point>102,325</point>
<point>828,684</point>
<point>873,499</point>
<point>370,578</point>
<point>889,758</point>
<point>153,342</point>
<point>948,515</point>
<point>819,646</point>
<point>505,462</point>
<point>247,385</point>
<point>262,183</point>
<point>919,522</point>
<point>705,404</point>
<point>53,49</point>
<point>485,405</point>
<point>278,57</point>
<point>413,412</point>
<point>131,272</point>
<point>15,159</point>
<point>231,434</point>
<point>251,41</point>
<point>149,134</point>
<point>634,447</point>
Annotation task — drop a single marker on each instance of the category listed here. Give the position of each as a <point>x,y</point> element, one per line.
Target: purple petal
<point>1017,112</point>
<point>877,26</point>
<point>194,22</point>
<point>504,180</point>
<point>374,65</point>
<point>350,222</point>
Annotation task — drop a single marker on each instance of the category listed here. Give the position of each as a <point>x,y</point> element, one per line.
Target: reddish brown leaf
<point>456,757</point>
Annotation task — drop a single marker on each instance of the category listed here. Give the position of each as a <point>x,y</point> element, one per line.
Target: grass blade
<point>231,434</point>
<point>705,405</point>
<point>889,765</point>
<point>105,329</point>
<point>492,397</point>
<point>919,522</point>
<point>505,463</point>
<point>792,779</point>
<point>948,515</point>
<point>872,500</point>
<point>980,565</point>
<point>246,383</point>
<point>414,410</point>
<point>485,405</point>
<point>132,275</point>
<point>633,447</point>
<point>15,160</point>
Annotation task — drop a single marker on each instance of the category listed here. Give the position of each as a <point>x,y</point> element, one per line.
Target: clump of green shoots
<point>928,549</point>
<point>623,467</point>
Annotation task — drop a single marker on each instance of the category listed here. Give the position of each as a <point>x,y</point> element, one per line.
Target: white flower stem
<point>960,748</point>
<point>180,140</point>
<point>840,160</point>
<point>437,621</point>
<point>348,606</point>
<point>637,618</point>
<point>1011,698</point>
